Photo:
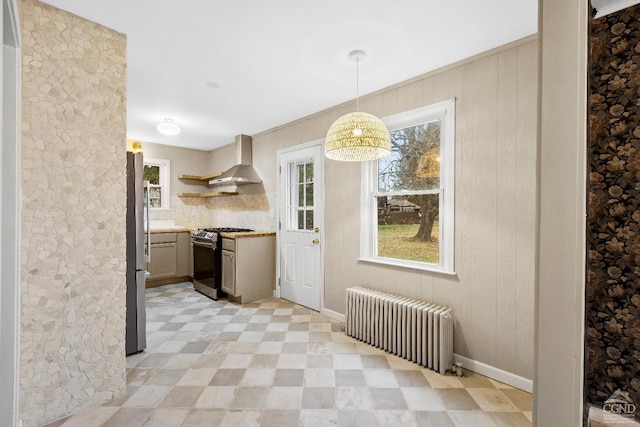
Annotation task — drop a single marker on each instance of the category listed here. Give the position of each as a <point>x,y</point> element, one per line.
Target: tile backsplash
<point>245,211</point>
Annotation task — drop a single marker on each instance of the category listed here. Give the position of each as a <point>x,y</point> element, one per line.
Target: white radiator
<point>418,331</point>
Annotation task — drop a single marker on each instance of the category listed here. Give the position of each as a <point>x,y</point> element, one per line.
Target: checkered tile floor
<point>274,363</point>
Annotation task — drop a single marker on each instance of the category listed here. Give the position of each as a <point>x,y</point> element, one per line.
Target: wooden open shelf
<point>206,195</point>
<point>204,179</point>
<point>200,177</point>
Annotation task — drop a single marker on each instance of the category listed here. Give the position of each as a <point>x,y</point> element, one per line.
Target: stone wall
<point>73,215</point>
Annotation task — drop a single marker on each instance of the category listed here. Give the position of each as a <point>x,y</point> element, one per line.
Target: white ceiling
<point>279,60</point>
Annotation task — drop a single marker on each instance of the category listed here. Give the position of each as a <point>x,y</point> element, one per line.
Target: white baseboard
<point>494,373</point>
<point>333,314</point>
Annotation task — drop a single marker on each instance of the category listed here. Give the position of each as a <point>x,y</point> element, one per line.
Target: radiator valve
<point>456,369</point>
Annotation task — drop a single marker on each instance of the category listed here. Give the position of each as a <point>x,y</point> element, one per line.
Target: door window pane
<point>301,195</point>
<point>309,220</point>
<point>300,187</point>
<point>308,195</point>
<point>309,172</point>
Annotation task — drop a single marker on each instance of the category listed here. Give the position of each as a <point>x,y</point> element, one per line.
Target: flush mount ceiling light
<point>168,127</point>
<point>358,136</point>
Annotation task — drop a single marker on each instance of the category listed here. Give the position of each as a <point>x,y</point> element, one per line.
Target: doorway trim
<point>279,214</point>
<point>558,376</point>
<point>10,201</point>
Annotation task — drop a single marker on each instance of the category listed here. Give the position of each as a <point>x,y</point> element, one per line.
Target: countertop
<point>236,235</point>
<point>241,234</point>
<point>170,230</point>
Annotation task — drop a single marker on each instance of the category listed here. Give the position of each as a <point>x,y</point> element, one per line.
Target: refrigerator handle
<point>147,248</point>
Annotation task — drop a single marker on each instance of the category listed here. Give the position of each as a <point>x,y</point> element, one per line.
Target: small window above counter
<point>157,173</point>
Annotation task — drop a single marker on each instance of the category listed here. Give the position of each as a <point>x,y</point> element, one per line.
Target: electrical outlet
<point>194,211</point>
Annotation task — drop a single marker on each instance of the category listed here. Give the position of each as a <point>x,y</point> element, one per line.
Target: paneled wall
<point>612,359</point>
<point>496,153</point>
<point>73,215</point>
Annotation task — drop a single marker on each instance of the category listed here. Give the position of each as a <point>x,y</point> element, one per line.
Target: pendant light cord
<point>357,84</point>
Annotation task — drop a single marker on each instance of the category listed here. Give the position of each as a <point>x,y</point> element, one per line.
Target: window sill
<point>411,265</point>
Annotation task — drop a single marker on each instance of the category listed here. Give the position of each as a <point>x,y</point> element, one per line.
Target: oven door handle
<point>202,244</point>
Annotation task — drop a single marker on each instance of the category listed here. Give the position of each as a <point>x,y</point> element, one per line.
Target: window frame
<point>164,179</point>
<point>445,111</point>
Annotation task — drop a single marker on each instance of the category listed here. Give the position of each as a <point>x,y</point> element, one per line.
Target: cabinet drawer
<point>228,244</point>
<point>162,237</point>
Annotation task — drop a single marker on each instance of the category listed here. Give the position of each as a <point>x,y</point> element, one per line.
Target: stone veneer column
<point>73,214</point>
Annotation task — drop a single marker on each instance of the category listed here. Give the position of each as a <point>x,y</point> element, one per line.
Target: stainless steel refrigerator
<point>137,254</point>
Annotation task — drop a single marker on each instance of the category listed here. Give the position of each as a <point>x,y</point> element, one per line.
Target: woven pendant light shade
<point>357,137</point>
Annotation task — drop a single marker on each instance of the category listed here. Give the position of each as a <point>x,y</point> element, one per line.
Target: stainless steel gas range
<point>207,259</point>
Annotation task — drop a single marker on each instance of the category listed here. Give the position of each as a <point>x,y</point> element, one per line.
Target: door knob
<point>316,241</point>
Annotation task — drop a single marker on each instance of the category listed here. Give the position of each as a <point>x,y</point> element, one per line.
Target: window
<point>408,197</point>
<point>156,171</point>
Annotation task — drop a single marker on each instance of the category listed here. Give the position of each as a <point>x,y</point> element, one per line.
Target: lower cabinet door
<point>163,261</point>
<point>228,284</point>
<point>183,252</point>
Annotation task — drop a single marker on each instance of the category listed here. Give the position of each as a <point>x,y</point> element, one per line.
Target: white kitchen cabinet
<point>248,266</point>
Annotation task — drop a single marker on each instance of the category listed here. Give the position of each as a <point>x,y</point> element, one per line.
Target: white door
<point>300,224</point>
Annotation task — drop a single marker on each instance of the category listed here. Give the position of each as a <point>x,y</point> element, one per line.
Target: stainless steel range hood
<point>243,172</point>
